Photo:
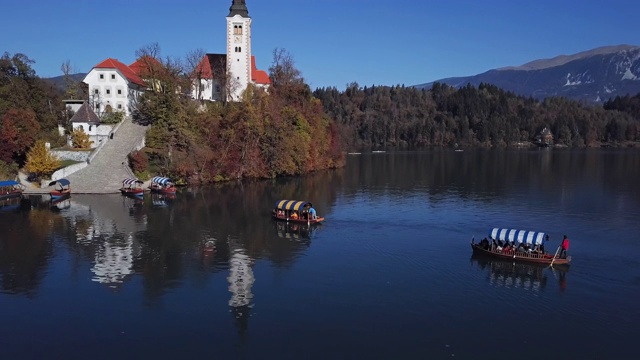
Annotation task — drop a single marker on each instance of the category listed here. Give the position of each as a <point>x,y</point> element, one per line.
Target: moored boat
<point>162,185</point>
<point>132,187</point>
<point>296,211</point>
<point>518,245</point>
<point>10,189</point>
<point>63,189</point>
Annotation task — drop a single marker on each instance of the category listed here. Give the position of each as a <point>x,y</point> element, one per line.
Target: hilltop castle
<point>115,86</point>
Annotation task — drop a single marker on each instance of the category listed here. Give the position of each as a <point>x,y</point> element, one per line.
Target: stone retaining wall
<point>75,155</point>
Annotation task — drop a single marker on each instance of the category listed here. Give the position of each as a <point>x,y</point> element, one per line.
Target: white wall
<point>239,63</point>
<point>113,89</point>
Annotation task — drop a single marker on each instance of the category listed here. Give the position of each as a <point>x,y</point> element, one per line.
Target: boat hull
<point>164,191</point>
<point>11,194</point>
<point>56,195</point>
<point>302,221</point>
<point>132,192</point>
<point>543,259</point>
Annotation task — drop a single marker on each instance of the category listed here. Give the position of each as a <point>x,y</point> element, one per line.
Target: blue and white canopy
<point>131,181</point>
<point>518,236</point>
<point>161,180</point>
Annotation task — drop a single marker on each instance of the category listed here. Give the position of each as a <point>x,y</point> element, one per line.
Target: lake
<point>389,275</point>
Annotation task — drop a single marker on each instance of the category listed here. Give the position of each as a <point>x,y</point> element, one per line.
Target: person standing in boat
<point>312,213</point>
<point>565,247</point>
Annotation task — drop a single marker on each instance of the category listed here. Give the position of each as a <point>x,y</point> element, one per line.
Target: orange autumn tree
<point>41,161</point>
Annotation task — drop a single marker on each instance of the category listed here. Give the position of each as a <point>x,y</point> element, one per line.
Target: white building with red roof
<point>114,86</point>
<point>220,75</point>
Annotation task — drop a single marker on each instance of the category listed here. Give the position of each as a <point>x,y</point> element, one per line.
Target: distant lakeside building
<point>115,86</point>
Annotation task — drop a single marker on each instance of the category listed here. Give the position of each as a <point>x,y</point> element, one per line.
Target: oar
<point>554,256</point>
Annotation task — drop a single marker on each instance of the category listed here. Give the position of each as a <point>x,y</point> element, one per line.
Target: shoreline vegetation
<point>292,130</point>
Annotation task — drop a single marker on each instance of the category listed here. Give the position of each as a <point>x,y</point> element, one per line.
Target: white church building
<point>115,86</point>
<point>229,74</point>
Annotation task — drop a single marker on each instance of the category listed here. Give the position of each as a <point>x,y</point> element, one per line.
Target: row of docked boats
<point>159,185</point>
<point>12,189</point>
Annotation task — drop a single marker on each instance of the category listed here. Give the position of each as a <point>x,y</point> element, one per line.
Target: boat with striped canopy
<point>518,245</point>
<point>296,211</point>
<point>162,185</point>
<point>62,190</point>
<point>132,187</point>
<point>10,189</point>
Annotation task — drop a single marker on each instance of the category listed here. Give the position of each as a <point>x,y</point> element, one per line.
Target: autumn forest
<point>292,130</point>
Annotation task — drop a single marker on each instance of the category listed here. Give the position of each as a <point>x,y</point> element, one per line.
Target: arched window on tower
<point>238,49</point>
<point>237,29</point>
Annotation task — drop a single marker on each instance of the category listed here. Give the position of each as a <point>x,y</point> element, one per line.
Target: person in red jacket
<point>565,247</point>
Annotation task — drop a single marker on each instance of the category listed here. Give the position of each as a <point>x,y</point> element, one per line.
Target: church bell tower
<point>238,49</point>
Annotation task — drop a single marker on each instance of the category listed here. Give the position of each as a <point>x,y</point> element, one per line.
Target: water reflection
<point>510,274</point>
<point>295,231</point>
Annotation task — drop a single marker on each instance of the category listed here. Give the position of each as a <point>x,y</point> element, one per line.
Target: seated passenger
<point>294,215</point>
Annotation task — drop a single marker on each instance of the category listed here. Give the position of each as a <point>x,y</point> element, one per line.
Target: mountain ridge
<point>594,75</point>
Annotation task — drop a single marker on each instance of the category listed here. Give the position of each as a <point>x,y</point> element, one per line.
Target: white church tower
<point>238,49</point>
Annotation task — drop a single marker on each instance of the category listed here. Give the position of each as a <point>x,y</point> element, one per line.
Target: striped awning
<point>292,205</point>
<point>63,182</point>
<point>518,236</point>
<point>131,181</point>
<point>161,180</point>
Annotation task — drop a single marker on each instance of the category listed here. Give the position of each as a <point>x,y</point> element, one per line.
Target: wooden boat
<point>530,239</point>
<point>63,189</point>
<point>10,189</point>
<point>132,187</point>
<point>162,185</point>
<point>296,211</point>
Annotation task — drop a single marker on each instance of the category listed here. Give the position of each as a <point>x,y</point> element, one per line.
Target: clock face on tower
<point>237,39</point>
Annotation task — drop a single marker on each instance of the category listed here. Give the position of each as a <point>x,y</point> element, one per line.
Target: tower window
<point>238,49</point>
<point>237,29</point>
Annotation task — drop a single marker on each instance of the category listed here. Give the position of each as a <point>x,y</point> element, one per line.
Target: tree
<point>19,129</point>
<point>194,69</point>
<point>40,161</point>
<point>283,71</point>
<point>71,86</point>
<point>80,139</point>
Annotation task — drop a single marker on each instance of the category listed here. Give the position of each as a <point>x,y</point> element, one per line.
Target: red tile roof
<point>209,63</point>
<point>144,65</point>
<point>124,70</point>
<point>258,76</point>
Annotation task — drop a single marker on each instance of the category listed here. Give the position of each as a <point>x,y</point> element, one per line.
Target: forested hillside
<point>282,132</point>
<point>30,109</point>
<point>381,116</point>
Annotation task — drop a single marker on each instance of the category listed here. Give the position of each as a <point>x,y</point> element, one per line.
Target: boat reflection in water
<point>294,231</point>
<point>60,204</point>
<point>12,204</point>
<point>161,200</point>
<point>527,276</point>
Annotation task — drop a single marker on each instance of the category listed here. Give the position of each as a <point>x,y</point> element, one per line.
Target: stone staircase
<point>108,168</point>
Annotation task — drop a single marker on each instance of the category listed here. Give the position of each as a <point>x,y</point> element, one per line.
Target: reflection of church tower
<point>240,282</point>
<point>114,261</point>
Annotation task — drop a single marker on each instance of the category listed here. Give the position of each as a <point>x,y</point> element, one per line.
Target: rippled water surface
<point>389,275</point>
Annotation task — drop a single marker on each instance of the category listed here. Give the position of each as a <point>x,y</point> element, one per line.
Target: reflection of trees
<point>25,247</point>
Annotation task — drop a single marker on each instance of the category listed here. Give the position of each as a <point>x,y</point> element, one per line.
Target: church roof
<point>85,115</point>
<point>238,7</point>
<point>124,70</point>
<point>144,65</point>
<point>210,65</point>
<point>258,76</point>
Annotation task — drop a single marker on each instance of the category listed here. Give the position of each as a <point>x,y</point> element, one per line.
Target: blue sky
<point>334,42</point>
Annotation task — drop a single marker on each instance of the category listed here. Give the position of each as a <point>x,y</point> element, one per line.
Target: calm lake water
<point>389,275</point>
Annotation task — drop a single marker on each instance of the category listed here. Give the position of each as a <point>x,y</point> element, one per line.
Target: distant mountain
<point>58,81</point>
<point>594,76</point>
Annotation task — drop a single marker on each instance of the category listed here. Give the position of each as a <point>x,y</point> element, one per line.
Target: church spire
<point>238,7</point>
